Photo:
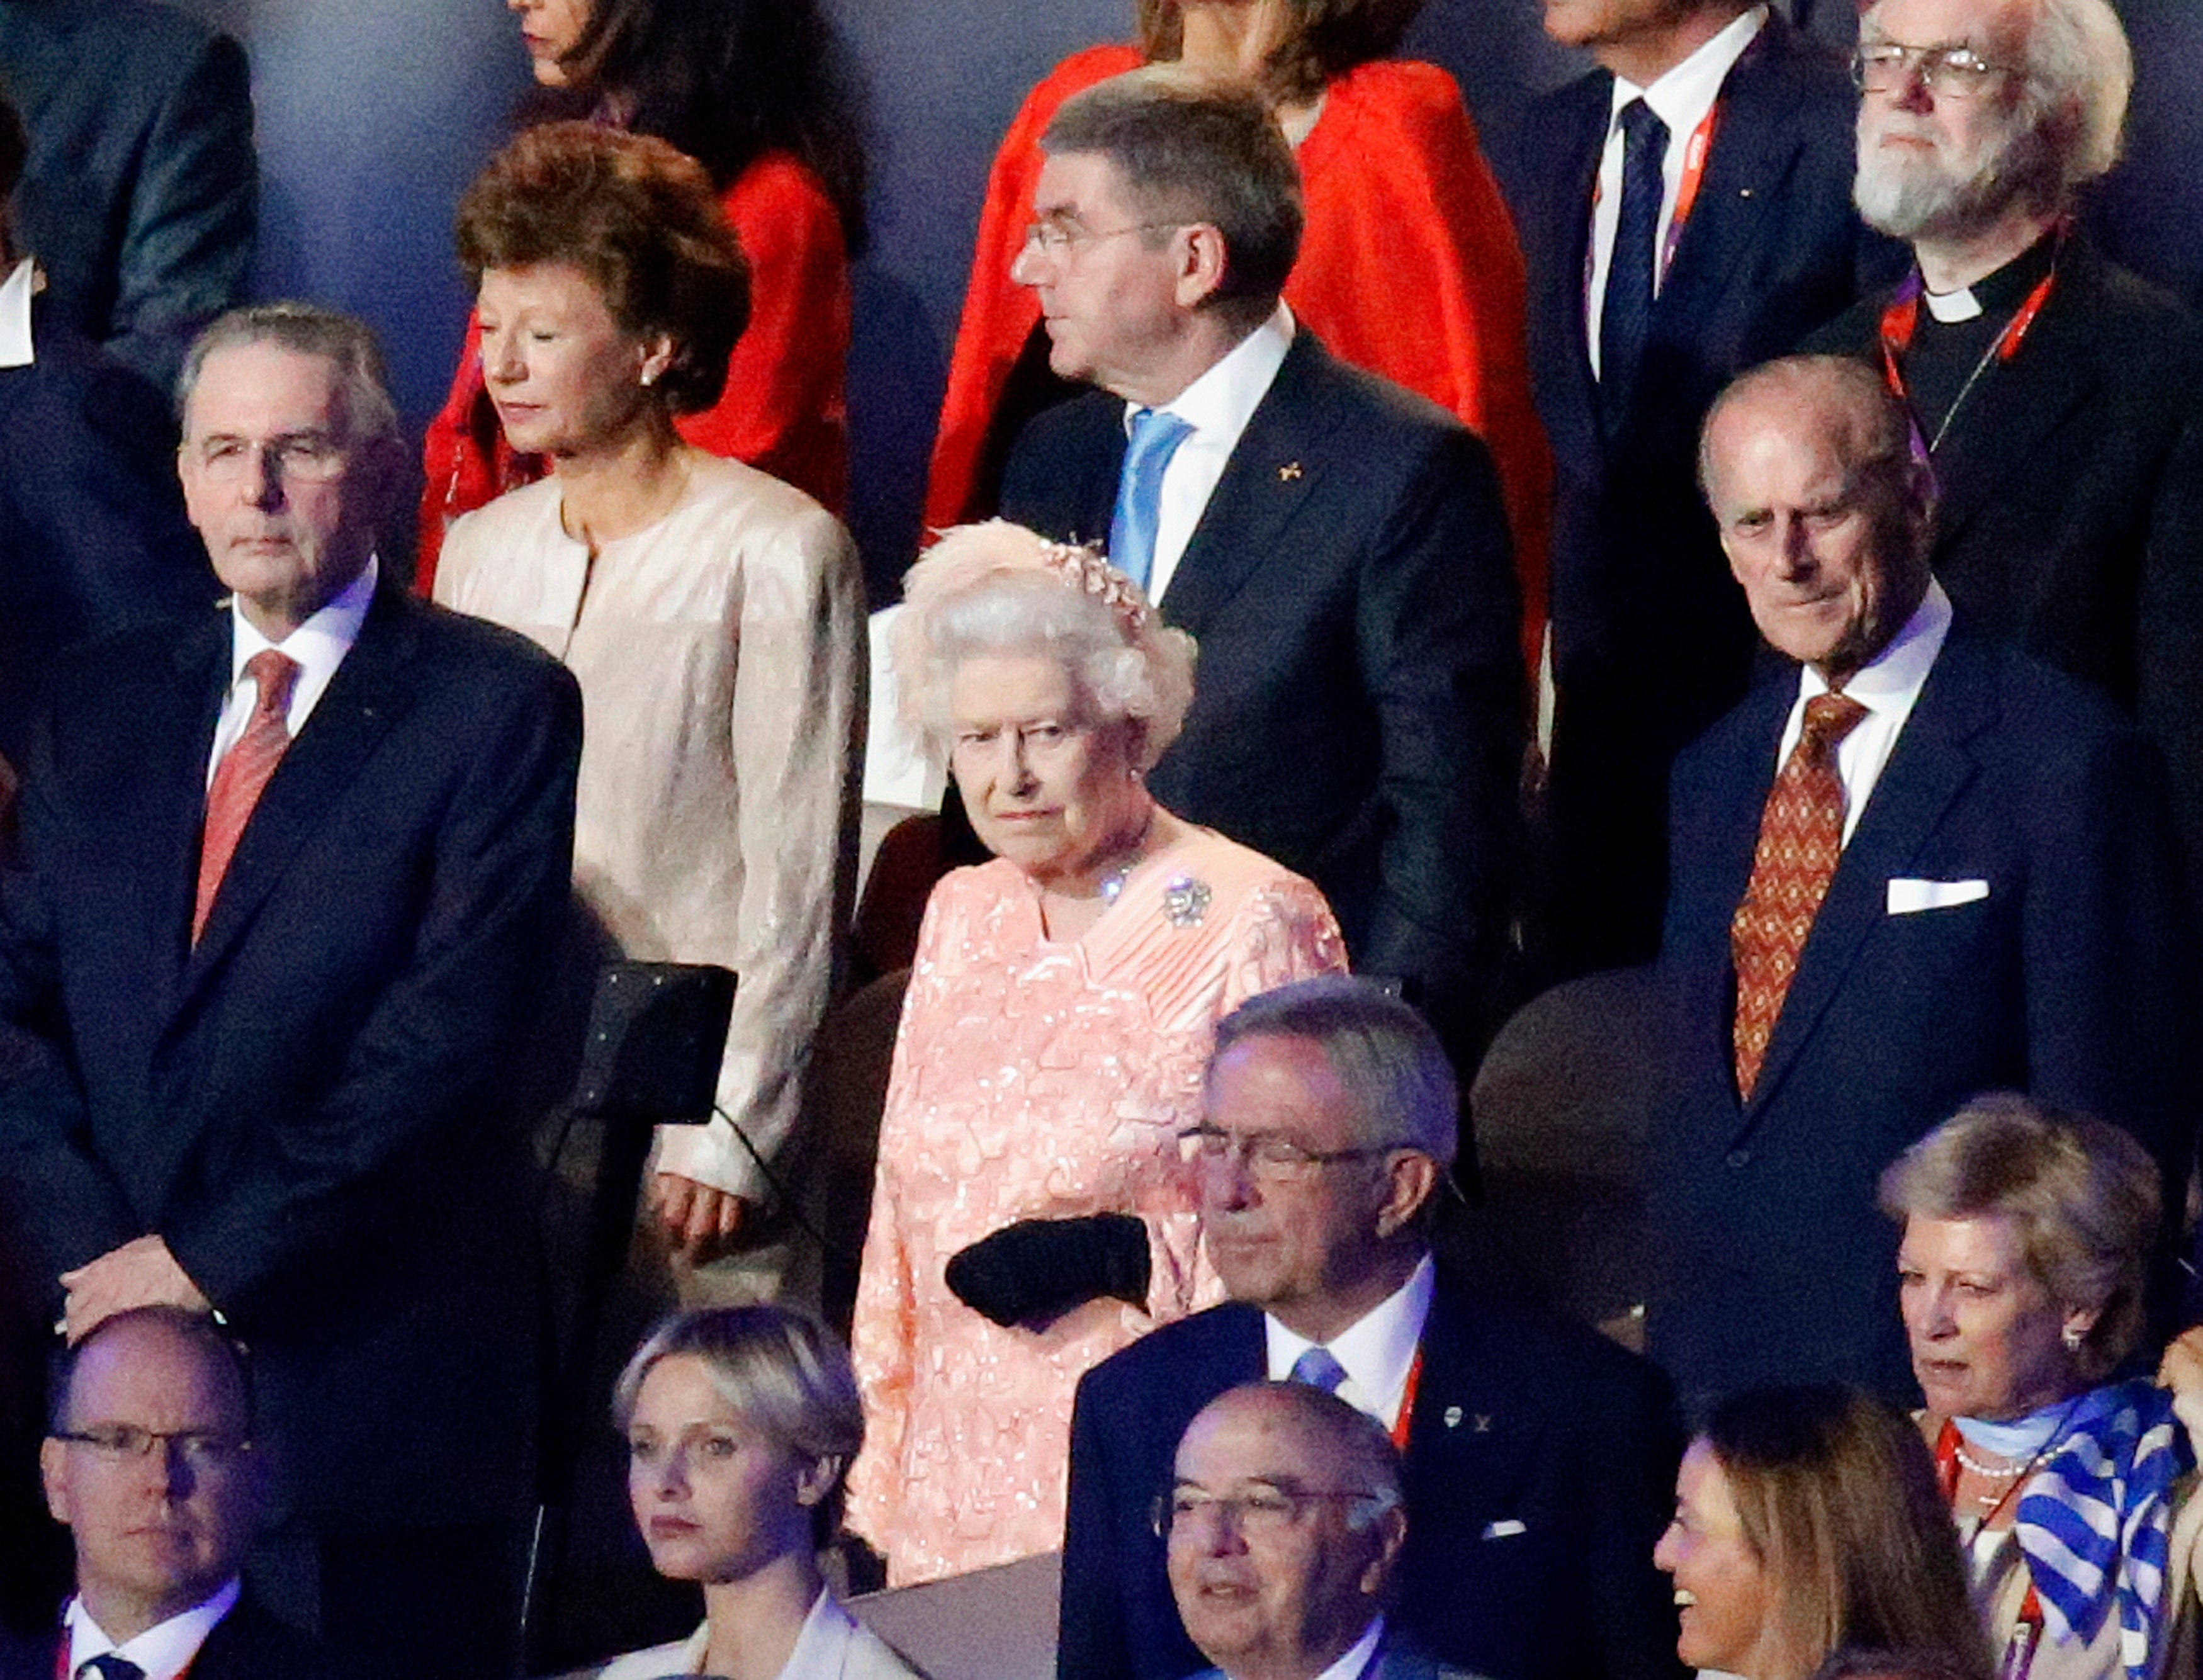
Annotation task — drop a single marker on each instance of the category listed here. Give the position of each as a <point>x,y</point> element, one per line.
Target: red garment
<point>1409,268</point>
<point>782,408</point>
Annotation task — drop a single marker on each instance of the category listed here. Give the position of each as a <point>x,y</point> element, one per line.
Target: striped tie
<point>243,772</point>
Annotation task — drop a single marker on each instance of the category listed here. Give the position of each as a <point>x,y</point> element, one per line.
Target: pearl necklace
<point>1984,1471</point>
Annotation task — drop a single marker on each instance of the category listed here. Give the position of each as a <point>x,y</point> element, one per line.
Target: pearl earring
<point>2072,1339</point>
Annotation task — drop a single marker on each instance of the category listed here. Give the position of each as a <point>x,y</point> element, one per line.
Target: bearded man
<point>2056,395</point>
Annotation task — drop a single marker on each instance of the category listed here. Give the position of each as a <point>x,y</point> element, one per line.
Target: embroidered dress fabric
<point>1042,1079</point>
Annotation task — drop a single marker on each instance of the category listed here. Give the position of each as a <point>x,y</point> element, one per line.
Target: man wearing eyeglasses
<point>2059,398</point>
<point>1539,1458</point>
<point>1284,1523</point>
<point>150,1465</point>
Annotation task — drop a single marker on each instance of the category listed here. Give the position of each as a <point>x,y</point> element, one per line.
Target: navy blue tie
<point>1155,438</point>
<point>1626,318</point>
<point>109,1666</point>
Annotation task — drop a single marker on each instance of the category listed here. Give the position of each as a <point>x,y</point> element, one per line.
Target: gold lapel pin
<point>1289,471</point>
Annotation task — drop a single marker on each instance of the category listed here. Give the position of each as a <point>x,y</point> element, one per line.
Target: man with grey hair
<point>1335,544</point>
<point>2059,398</point>
<point>1539,1458</point>
<point>279,886</point>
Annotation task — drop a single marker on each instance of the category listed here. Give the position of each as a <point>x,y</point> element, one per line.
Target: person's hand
<point>2182,1371</point>
<point>698,1219</point>
<point>142,1273</point>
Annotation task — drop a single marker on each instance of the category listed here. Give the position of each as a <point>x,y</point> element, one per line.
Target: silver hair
<point>1404,1089</point>
<point>789,1377</point>
<point>2078,60</point>
<point>306,329</point>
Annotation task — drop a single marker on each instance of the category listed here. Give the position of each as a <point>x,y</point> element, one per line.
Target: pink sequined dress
<point>1038,1078</point>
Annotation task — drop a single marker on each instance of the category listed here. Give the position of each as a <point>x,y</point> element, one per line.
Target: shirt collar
<point>1377,1350</point>
<point>320,644</point>
<point>163,1651</point>
<point>1225,397</point>
<point>1683,94</point>
<point>1891,681</point>
<point>1356,1660</point>
<point>15,294</point>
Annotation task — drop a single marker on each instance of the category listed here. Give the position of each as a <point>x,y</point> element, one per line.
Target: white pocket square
<point>1505,1528</point>
<point>1906,896</point>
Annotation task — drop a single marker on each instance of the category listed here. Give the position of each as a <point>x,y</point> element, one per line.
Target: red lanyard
<point>2027,1632</point>
<point>1901,319</point>
<point>1696,150</point>
<point>1408,1402</point>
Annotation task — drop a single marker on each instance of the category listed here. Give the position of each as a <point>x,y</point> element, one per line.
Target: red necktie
<point>1801,837</point>
<point>243,772</point>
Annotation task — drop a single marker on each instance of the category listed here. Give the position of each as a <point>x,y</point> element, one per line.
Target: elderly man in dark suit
<point>1335,544</point>
<point>283,883</point>
<point>2060,398</point>
<point>152,1465</point>
<point>1539,1458</point>
<point>142,193</point>
<point>1921,868</point>
<point>1686,213</point>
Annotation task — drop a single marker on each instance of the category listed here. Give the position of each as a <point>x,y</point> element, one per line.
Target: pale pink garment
<point>1034,1078</point>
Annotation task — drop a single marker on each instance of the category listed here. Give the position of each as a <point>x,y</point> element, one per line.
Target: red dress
<point>1409,268</point>
<point>782,409</point>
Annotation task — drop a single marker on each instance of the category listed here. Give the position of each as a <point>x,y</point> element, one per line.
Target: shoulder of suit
<point>1150,1359</point>
<point>2039,703</point>
<point>470,648</point>
<point>157,45</point>
<point>1559,1350</point>
<point>1369,401</point>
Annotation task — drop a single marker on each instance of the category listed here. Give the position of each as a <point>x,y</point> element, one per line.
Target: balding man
<point>1284,1520</point>
<point>1920,868</point>
<point>2060,398</point>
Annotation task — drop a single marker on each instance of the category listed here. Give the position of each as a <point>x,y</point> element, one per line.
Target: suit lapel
<point>1575,175</point>
<point>168,804</point>
<point>368,694</point>
<point>1929,766</point>
<point>1271,473</point>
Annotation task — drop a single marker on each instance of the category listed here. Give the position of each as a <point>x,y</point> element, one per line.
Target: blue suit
<point>2070,977</point>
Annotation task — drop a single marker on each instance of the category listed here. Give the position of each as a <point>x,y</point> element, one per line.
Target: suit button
<point>1740,1158</point>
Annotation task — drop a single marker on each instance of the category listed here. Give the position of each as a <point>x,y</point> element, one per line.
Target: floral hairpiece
<point>1086,569</point>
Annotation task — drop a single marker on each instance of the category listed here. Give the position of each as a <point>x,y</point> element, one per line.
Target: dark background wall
<point>373,116</point>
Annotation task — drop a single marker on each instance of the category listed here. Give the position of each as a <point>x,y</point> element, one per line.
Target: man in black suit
<point>1662,266</point>
<point>2060,398</point>
<point>141,195</point>
<point>1963,877</point>
<point>1539,1457</point>
<point>1336,544</point>
<point>262,998</point>
<point>152,1465</point>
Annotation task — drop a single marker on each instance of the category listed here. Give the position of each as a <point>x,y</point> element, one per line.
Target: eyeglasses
<point>1261,1513</point>
<point>1950,72</point>
<point>1060,239</point>
<point>303,458</point>
<point>1265,1154</point>
<point>204,1451</point>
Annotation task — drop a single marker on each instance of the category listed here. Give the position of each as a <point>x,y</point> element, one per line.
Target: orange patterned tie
<point>243,772</point>
<point>1801,837</point>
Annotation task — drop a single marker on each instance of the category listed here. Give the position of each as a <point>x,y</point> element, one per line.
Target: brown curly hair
<point>1323,39</point>
<point>636,216</point>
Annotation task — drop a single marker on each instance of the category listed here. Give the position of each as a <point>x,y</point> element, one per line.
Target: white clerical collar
<point>1951,307</point>
<point>1681,96</point>
<point>15,294</point>
<point>1891,681</point>
<point>1225,397</point>
<point>1377,1351</point>
<point>163,1651</point>
<point>1360,1657</point>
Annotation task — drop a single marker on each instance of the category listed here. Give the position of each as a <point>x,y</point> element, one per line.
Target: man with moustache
<point>1688,215</point>
<point>2059,398</point>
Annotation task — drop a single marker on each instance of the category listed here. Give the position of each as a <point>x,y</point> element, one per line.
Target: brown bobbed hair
<point>638,218</point>
<point>1837,1496</point>
<point>2084,1197</point>
<point>1323,39</point>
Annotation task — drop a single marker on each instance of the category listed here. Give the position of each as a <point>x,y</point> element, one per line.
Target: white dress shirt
<point>163,1651</point>
<point>319,646</point>
<point>1887,687</point>
<point>1359,1658</point>
<point>16,293</point>
<point>1217,407</point>
<point>1377,1351</point>
<point>1681,99</point>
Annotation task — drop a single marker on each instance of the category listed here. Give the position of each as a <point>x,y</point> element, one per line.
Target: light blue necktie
<point>1318,1368</point>
<point>1155,438</point>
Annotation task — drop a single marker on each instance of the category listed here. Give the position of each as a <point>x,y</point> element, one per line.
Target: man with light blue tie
<point>1335,543</point>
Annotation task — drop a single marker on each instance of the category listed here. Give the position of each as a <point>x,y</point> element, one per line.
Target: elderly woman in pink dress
<point>1032,1214</point>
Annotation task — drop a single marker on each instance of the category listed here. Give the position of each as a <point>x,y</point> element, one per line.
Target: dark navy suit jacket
<point>1539,1472</point>
<point>311,1105</point>
<point>2071,977</point>
<point>247,1644</point>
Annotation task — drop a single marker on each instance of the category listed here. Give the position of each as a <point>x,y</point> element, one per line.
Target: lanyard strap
<point>1696,150</point>
<point>2018,1656</point>
<point>1900,321</point>
<point>1408,1402</point>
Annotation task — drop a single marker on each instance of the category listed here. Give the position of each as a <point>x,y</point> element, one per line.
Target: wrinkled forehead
<point>157,1376</point>
<point>1249,1437</point>
<point>260,389</point>
<point>1996,29</point>
<point>1086,187</point>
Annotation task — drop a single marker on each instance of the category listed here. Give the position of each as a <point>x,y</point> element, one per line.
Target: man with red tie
<point>1539,1458</point>
<point>279,884</point>
<point>1919,867</point>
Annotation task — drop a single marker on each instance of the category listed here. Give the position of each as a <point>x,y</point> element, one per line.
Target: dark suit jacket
<point>1357,714</point>
<point>140,194</point>
<point>247,1644</point>
<point>1519,1418</point>
<point>2070,518</point>
<point>92,535</point>
<point>2071,980</point>
<point>309,1105</point>
<point>1652,642</point>
<point>1395,1661</point>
